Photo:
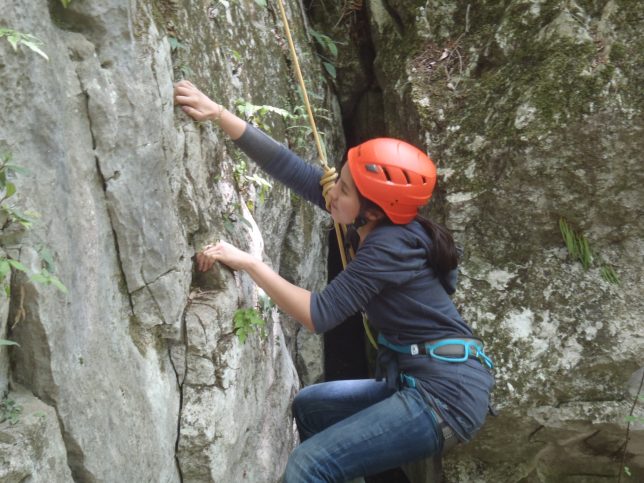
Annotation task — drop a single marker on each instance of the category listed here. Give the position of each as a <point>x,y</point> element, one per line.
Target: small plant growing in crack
<point>10,411</point>
<point>330,48</point>
<point>579,250</point>
<point>247,321</point>
<point>16,38</point>
<point>12,223</point>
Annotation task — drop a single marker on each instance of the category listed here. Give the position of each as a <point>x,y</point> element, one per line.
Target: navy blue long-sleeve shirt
<point>391,280</point>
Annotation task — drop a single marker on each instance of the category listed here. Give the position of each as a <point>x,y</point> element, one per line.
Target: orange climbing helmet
<point>395,175</point>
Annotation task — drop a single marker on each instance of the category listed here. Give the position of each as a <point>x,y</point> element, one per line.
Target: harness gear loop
<point>330,175</point>
<point>453,349</point>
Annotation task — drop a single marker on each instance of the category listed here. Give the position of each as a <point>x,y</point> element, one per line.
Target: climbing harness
<point>447,350</point>
<point>330,175</point>
<point>452,350</point>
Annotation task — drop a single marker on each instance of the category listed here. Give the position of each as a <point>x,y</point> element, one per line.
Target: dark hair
<point>443,257</point>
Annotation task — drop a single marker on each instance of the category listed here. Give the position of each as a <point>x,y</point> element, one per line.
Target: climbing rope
<point>330,175</point>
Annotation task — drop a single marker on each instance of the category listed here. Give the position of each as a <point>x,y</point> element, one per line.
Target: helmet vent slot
<point>406,176</point>
<point>387,175</point>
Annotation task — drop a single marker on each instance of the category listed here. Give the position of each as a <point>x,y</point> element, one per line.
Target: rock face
<point>31,445</point>
<point>139,356</point>
<point>533,112</point>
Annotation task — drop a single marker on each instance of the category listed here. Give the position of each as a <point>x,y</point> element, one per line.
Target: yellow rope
<point>330,174</point>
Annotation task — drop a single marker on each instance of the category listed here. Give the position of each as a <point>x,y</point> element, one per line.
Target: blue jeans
<point>358,428</point>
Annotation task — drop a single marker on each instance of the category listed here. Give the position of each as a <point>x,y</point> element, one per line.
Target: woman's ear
<point>373,215</point>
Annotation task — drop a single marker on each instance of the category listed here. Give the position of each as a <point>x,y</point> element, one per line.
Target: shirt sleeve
<point>382,260</point>
<point>282,164</point>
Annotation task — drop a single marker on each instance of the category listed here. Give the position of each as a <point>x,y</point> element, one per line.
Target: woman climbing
<point>437,384</point>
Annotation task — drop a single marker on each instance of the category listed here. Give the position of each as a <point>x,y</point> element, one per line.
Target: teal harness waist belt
<point>457,349</point>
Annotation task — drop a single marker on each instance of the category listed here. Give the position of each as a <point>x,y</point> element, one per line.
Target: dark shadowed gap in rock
<point>362,104</point>
<point>344,347</point>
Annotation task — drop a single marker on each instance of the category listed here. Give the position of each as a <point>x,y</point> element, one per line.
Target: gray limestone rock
<point>31,446</point>
<point>127,189</point>
<point>531,111</point>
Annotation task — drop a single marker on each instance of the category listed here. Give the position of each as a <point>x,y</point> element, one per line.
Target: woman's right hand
<point>225,253</point>
<point>195,103</point>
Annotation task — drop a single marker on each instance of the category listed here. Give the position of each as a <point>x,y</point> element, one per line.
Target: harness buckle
<point>414,349</point>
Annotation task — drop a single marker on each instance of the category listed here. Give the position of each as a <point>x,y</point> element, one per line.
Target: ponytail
<point>443,257</point>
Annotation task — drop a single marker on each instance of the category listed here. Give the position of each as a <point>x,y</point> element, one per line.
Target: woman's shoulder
<point>411,234</point>
<point>392,252</point>
<point>397,242</point>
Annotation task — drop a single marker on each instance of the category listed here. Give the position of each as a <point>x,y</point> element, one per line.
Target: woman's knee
<point>303,465</point>
<point>303,408</point>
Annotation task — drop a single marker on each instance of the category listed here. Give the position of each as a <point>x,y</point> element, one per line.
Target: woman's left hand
<point>225,253</point>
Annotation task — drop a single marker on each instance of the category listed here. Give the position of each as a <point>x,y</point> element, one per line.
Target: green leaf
<point>13,40</point>
<point>10,190</point>
<point>175,44</point>
<point>326,42</point>
<point>65,3</point>
<point>5,268</point>
<point>13,168</point>
<point>58,284</point>
<point>24,218</point>
<point>229,227</point>
<point>278,110</point>
<point>39,278</point>
<point>16,38</point>
<point>245,322</point>
<point>330,68</point>
<point>8,342</point>
<point>17,265</point>
<point>33,46</point>
<point>609,275</point>
<point>333,49</point>
<point>47,258</point>
<point>236,55</point>
<point>261,3</point>
<point>633,419</point>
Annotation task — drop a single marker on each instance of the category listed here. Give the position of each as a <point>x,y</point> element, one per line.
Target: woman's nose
<point>333,192</point>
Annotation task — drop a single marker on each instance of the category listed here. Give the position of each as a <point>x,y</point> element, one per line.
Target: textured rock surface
<point>533,112</point>
<point>135,358</point>
<point>31,446</point>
